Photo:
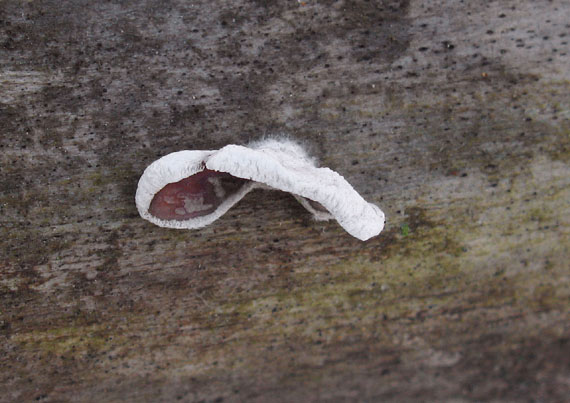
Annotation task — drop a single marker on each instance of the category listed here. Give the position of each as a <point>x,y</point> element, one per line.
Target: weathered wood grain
<point>451,116</point>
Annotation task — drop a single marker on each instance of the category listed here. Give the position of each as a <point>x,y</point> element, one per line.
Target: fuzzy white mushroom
<point>191,189</point>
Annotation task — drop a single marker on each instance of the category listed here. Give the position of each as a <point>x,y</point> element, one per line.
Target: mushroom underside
<point>198,195</point>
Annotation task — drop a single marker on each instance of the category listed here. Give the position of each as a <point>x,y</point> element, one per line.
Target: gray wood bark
<point>452,116</point>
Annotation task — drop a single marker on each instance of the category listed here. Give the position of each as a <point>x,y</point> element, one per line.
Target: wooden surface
<point>452,116</point>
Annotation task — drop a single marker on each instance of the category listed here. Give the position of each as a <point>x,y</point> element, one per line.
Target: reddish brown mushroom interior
<point>195,196</point>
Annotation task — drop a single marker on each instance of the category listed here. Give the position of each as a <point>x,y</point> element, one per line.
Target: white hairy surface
<point>279,164</point>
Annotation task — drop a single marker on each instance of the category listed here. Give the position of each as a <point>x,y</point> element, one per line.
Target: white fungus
<point>191,189</point>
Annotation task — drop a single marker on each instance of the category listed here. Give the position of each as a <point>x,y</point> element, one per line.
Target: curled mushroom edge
<point>193,188</point>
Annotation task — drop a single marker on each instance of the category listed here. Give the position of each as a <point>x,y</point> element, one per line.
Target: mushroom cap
<point>283,169</point>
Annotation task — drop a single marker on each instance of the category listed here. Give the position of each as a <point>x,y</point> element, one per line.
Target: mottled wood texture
<point>453,116</point>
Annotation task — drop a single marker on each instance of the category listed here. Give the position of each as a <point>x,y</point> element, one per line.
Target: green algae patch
<point>64,340</point>
<point>405,229</point>
<point>355,298</point>
<point>423,264</point>
<point>115,175</point>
